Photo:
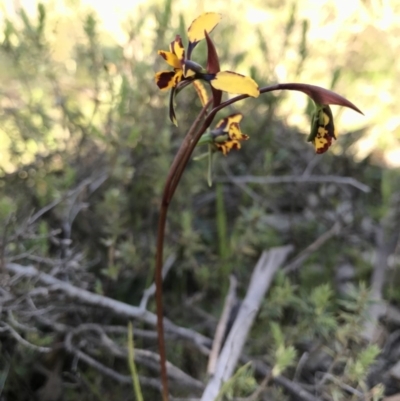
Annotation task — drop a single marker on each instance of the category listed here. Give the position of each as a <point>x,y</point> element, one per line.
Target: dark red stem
<point>169,189</point>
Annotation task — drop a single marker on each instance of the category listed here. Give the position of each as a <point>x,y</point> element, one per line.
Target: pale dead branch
<point>302,179</point>
<point>260,281</point>
<point>99,301</point>
<point>222,325</point>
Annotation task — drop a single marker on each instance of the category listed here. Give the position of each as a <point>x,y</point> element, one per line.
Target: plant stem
<point>174,174</point>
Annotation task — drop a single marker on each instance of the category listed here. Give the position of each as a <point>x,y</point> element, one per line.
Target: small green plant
<point>132,366</point>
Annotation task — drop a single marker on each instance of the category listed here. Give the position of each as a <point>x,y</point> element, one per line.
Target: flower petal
<point>227,135</point>
<point>235,133</point>
<point>235,118</point>
<point>178,76</point>
<point>170,58</point>
<point>225,147</point>
<point>233,82</point>
<point>322,119</point>
<point>201,91</point>
<point>222,125</point>
<point>322,141</point>
<point>177,48</point>
<point>322,129</point>
<point>205,22</point>
<point>165,79</point>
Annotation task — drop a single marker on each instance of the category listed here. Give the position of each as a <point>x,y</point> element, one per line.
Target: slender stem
<point>169,189</point>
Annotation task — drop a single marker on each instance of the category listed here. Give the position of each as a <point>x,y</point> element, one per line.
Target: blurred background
<point>85,146</point>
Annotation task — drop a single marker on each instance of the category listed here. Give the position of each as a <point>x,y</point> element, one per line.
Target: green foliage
<point>284,356</point>
<point>132,366</point>
<point>242,383</point>
<point>70,117</point>
<point>357,370</point>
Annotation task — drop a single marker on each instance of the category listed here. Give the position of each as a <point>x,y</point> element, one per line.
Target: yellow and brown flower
<point>175,58</point>
<point>185,71</point>
<point>227,134</point>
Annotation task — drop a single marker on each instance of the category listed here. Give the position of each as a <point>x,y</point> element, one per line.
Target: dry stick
<point>100,301</point>
<point>290,386</point>
<point>144,357</point>
<point>308,179</point>
<point>303,255</point>
<point>222,324</point>
<point>387,242</point>
<point>261,279</point>
<point>147,381</point>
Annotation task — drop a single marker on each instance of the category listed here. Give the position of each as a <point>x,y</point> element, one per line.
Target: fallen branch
<point>303,255</point>
<point>99,301</point>
<point>222,325</point>
<point>147,381</point>
<point>261,279</point>
<point>306,179</point>
<point>387,240</point>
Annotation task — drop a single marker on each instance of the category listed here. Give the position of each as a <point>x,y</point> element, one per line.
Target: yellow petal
<point>165,79</point>
<point>235,133</point>
<point>170,58</point>
<point>177,48</point>
<point>322,141</point>
<point>178,76</point>
<point>226,147</point>
<point>201,91</point>
<point>235,118</point>
<point>206,22</point>
<point>232,82</point>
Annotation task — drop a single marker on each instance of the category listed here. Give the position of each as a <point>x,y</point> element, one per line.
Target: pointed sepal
<point>213,68</point>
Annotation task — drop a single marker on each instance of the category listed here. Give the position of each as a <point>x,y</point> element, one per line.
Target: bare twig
<point>144,357</point>
<point>147,381</point>
<point>222,324</point>
<point>290,386</point>
<point>387,239</point>
<point>6,327</point>
<point>302,256</point>
<point>306,179</point>
<point>100,301</point>
<point>92,183</point>
<point>149,292</point>
<point>260,281</point>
